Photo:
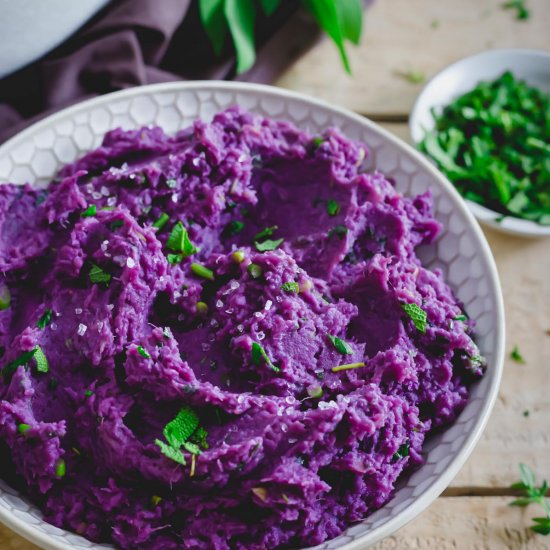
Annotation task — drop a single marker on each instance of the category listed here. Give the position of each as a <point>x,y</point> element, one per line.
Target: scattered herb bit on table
<point>493,143</point>
<point>522,13</point>
<point>533,495</point>
<point>516,356</point>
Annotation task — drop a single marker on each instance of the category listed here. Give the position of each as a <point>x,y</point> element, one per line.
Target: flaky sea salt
<point>268,305</point>
<point>78,310</point>
<point>82,329</point>
<point>130,262</point>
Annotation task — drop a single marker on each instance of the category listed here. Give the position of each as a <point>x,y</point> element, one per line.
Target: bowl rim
<point>507,224</point>
<point>432,491</point>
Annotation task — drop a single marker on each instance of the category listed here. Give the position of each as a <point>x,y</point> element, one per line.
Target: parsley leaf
<point>290,286</point>
<point>45,319</point>
<point>533,495</point>
<point>516,356</point>
<point>268,245</point>
<point>342,347</point>
<point>259,355</point>
<point>97,275</point>
<point>417,315</point>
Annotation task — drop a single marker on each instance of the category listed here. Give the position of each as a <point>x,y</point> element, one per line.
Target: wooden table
<point>426,35</point>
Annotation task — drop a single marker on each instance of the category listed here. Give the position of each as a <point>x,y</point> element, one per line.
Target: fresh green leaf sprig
<point>533,495</point>
<point>342,20</point>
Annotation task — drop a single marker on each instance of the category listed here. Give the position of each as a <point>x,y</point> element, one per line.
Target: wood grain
<point>399,36</point>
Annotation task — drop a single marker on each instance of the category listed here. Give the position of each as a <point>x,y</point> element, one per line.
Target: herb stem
<point>349,366</point>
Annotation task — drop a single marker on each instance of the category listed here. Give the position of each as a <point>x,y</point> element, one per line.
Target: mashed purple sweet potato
<point>221,339</point>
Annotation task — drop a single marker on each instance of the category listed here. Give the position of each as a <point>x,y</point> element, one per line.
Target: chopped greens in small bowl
<point>485,123</point>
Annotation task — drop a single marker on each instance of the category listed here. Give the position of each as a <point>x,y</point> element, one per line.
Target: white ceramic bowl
<point>533,66</point>
<point>461,252</point>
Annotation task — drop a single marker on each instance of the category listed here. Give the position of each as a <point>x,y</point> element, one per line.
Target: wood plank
<point>399,36</point>
<point>468,523</point>
<point>510,437</point>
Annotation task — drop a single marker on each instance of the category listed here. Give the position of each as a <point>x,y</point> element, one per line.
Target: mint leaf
<point>169,452</point>
<point>342,347</point>
<point>41,360</point>
<point>143,352</point>
<point>97,275</point>
<point>240,16</point>
<point>417,315</point>
<point>178,431</point>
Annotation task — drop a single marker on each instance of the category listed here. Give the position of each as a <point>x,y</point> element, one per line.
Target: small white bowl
<point>533,66</point>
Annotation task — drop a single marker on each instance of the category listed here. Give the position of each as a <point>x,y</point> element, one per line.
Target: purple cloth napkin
<point>134,42</point>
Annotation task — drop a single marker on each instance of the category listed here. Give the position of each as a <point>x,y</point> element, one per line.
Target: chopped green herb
<point>417,315</point>
<point>199,437</point>
<point>317,142</point>
<point>23,428</point>
<point>60,468</point>
<point>342,347</point>
<point>533,495</point>
<point>259,355</point>
<point>290,287</point>
<point>268,245</point>
<point>162,221</point>
<point>5,297</point>
<point>192,448</point>
<point>179,430</point>
<point>516,356</point>
<point>97,275</point>
<point>178,241</point>
<point>526,413</point>
<point>488,143</point>
<point>169,452</point>
<point>171,183</point>
<point>522,12</point>
<point>402,452</point>
<point>155,500</point>
<point>41,360</point>
<point>90,211</point>
<point>238,256</point>
<point>255,271</point>
<point>143,352</point>
<point>414,77</point>
<point>477,361</point>
<point>88,393</point>
<point>201,271</point>
<point>460,318</point>
<point>234,227</point>
<point>264,233</point>
<point>23,359</point>
<point>116,224</point>
<point>174,258</point>
<point>333,207</point>
<point>339,231</point>
<point>45,319</point>
<point>349,366</point>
